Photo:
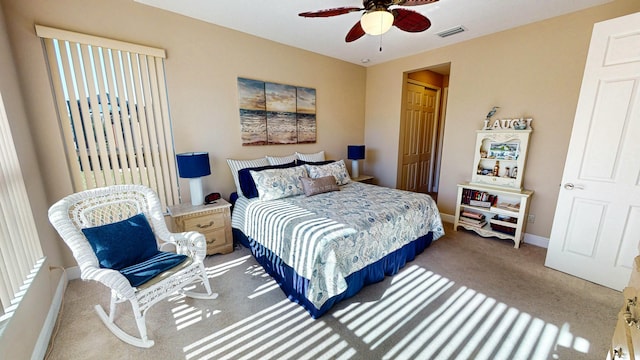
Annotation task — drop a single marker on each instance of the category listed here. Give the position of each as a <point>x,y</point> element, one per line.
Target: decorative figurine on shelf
<point>514,172</point>
<point>496,168</point>
<point>492,112</point>
<point>520,124</point>
<point>507,173</point>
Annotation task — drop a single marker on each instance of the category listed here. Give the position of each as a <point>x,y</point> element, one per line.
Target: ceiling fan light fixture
<point>376,22</point>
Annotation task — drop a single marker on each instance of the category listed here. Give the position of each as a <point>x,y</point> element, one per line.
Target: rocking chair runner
<point>111,207</point>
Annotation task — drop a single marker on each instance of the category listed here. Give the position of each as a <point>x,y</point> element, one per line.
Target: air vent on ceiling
<point>452,31</point>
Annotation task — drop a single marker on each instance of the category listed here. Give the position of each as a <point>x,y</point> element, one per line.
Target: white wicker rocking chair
<point>111,204</point>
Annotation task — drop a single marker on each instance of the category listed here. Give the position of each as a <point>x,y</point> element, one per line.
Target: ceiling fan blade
<point>355,33</point>
<point>412,2</point>
<point>410,21</point>
<point>330,12</point>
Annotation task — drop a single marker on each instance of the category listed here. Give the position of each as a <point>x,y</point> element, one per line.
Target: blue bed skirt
<point>295,286</point>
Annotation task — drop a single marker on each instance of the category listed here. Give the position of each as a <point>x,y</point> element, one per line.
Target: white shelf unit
<point>503,152</point>
<point>504,196</point>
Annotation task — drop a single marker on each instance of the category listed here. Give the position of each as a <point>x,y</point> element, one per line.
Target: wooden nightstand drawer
<point>213,221</point>
<point>217,241</point>
<point>205,222</point>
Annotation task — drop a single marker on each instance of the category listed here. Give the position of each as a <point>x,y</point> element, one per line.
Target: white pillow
<point>336,168</point>
<point>237,165</point>
<point>315,157</point>
<point>281,160</point>
<point>275,184</point>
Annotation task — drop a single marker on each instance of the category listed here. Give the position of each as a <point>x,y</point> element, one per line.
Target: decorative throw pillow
<point>319,185</point>
<point>139,274</point>
<point>237,165</point>
<point>302,162</point>
<point>279,183</point>
<point>279,160</point>
<point>123,243</point>
<point>336,168</point>
<point>248,185</point>
<point>319,156</point>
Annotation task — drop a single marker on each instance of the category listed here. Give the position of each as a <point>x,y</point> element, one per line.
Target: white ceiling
<point>278,20</point>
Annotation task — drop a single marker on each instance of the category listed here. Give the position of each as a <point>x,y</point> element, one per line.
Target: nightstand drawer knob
<point>211,241</point>
<point>210,224</point>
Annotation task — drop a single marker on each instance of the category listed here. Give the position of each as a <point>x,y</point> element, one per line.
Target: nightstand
<point>213,221</point>
<point>367,179</point>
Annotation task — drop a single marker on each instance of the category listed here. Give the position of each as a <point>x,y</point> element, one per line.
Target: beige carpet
<point>465,297</point>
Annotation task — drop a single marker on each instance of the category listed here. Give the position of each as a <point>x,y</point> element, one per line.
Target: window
<point>20,251</point>
<point>112,104</point>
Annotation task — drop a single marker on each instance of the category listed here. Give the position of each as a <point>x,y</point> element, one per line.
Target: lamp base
<point>197,195</point>
<point>355,171</point>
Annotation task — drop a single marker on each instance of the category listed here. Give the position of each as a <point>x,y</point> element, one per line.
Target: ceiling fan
<point>378,18</point>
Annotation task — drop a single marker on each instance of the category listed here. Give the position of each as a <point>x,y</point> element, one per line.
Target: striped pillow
<point>237,165</point>
<point>319,156</point>
<point>280,160</point>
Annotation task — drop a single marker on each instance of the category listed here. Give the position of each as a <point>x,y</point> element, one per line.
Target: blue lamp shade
<point>355,152</point>
<point>193,164</point>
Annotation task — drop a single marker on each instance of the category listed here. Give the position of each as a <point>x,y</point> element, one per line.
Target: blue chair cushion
<point>123,243</point>
<point>139,274</point>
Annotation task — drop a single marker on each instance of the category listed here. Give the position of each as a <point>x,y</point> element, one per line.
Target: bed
<point>324,246</point>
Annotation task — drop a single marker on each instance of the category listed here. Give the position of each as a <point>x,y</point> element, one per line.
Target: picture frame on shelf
<point>504,151</point>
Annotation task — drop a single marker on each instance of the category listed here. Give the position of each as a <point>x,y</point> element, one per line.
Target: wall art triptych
<point>273,113</point>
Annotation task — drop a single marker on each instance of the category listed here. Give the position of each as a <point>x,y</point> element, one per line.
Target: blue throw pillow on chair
<point>139,274</point>
<point>124,243</point>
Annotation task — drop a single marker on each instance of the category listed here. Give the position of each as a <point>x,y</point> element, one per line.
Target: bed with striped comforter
<point>327,239</point>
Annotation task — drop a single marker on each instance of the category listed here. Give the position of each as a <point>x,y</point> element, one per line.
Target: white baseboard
<point>447,218</point>
<point>73,273</point>
<point>40,348</point>
<point>536,240</point>
<point>528,238</point>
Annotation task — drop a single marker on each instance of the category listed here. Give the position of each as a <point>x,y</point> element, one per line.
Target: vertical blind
<point>113,109</point>
<point>20,251</point>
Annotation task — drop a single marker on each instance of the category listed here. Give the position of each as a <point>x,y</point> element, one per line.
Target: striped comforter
<point>326,237</point>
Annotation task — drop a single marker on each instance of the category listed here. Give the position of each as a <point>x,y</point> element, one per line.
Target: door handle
<point>617,353</point>
<point>628,316</point>
<point>571,186</point>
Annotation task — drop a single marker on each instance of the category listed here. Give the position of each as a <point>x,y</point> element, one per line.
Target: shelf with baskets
<point>491,211</point>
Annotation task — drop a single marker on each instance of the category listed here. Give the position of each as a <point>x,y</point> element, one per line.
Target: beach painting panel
<point>281,114</point>
<point>253,112</point>
<point>272,113</point>
<point>306,115</point>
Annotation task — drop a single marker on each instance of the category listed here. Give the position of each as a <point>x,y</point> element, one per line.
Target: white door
<point>596,229</point>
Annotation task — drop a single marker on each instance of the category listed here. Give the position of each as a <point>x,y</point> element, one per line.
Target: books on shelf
<point>478,198</point>
<point>472,214</point>
<point>510,207</point>
<point>472,221</point>
<point>473,218</point>
<point>465,221</point>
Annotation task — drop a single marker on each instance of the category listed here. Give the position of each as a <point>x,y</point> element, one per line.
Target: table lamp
<point>355,153</point>
<point>194,166</point>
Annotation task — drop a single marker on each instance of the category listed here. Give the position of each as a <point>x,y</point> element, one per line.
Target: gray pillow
<point>319,185</point>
